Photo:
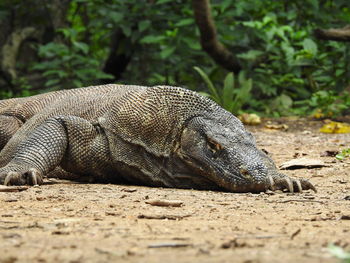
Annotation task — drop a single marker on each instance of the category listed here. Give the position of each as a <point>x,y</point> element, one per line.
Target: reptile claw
<point>298,186</point>
<point>281,183</point>
<point>307,185</point>
<point>291,184</point>
<point>272,183</point>
<point>30,177</point>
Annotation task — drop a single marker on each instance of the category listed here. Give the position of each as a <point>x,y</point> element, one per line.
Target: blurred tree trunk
<point>118,58</point>
<point>336,34</point>
<point>23,26</point>
<point>209,39</point>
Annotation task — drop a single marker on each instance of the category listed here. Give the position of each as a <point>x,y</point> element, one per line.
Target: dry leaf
<point>250,118</point>
<point>301,163</point>
<point>173,203</point>
<point>335,127</point>
<point>272,126</point>
<point>4,188</point>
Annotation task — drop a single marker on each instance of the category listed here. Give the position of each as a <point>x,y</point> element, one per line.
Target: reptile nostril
<point>244,171</point>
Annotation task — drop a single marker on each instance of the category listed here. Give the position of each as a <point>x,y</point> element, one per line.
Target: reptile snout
<point>255,173</point>
<point>245,173</point>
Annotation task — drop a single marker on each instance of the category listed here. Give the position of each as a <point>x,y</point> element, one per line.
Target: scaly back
<point>154,117</point>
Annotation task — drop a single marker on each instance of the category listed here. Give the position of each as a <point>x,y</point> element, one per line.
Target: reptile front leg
<point>57,139</point>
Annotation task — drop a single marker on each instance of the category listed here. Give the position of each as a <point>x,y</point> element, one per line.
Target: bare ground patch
<point>67,222</point>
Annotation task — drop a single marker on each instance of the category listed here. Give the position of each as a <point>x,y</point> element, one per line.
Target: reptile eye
<point>214,146</point>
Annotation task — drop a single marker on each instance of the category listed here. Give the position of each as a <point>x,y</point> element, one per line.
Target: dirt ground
<point>68,222</point>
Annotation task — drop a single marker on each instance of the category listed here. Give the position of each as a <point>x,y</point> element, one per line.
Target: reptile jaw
<point>273,182</point>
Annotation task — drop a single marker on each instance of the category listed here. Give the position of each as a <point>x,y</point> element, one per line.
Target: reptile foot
<point>30,177</point>
<point>291,184</point>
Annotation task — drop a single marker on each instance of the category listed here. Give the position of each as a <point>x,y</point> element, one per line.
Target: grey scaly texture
<point>156,136</point>
<point>15,112</point>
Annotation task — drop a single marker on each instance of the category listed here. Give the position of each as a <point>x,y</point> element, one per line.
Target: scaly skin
<point>15,112</point>
<point>156,136</point>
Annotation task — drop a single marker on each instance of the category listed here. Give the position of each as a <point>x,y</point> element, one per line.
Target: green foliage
<point>69,65</point>
<point>5,94</point>
<point>23,86</point>
<point>233,95</point>
<point>285,69</point>
<point>294,66</point>
<point>339,253</point>
<point>159,36</point>
<point>21,89</point>
<point>345,153</point>
<point>324,103</point>
<point>329,103</point>
<point>274,40</point>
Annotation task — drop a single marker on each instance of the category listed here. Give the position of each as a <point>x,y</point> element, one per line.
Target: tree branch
<point>10,49</point>
<point>336,34</point>
<point>209,40</point>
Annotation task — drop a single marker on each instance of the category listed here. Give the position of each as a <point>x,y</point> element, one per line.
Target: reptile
<point>155,136</point>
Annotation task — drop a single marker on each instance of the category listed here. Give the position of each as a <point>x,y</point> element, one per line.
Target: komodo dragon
<point>155,136</point>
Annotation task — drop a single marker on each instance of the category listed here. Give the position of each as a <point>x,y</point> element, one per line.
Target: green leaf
<point>205,94</point>
<point>289,53</point>
<point>151,39</point>
<point>42,66</point>
<point>315,4</point>
<point>51,82</point>
<point>116,17</point>
<point>184,22</point>
<point>143,25</point>
<point>339,72</point>
<point>225,4</point>
<point>77,83</point>
<point>286,101</point>
<point>126,30</point>
<point>253,24</point>
<point>310,45</point>
<point>214,94</point>
<point>102,75</point>
<point>191,43</point>
<point>267,20</point>
<point>81,46</point>
<point>58,72</point>
<point>251,54</point>
<point>166,52</point>
<point>339,252</point>
<point>243,93</point>
<point>163,1</point>
<point>280,32</point>
<point>227,92</point>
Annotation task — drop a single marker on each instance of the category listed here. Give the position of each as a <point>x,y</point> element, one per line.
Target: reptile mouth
<point>224,179</point>
<point>246,182</point>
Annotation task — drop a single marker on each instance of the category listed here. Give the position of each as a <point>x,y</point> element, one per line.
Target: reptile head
<point>222,152</point>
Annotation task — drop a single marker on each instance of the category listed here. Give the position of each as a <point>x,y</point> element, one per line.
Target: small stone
<point>7,215</point>
<point>10,200</point>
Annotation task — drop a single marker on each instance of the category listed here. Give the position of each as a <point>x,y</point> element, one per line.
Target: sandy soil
<point>67,222</point>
